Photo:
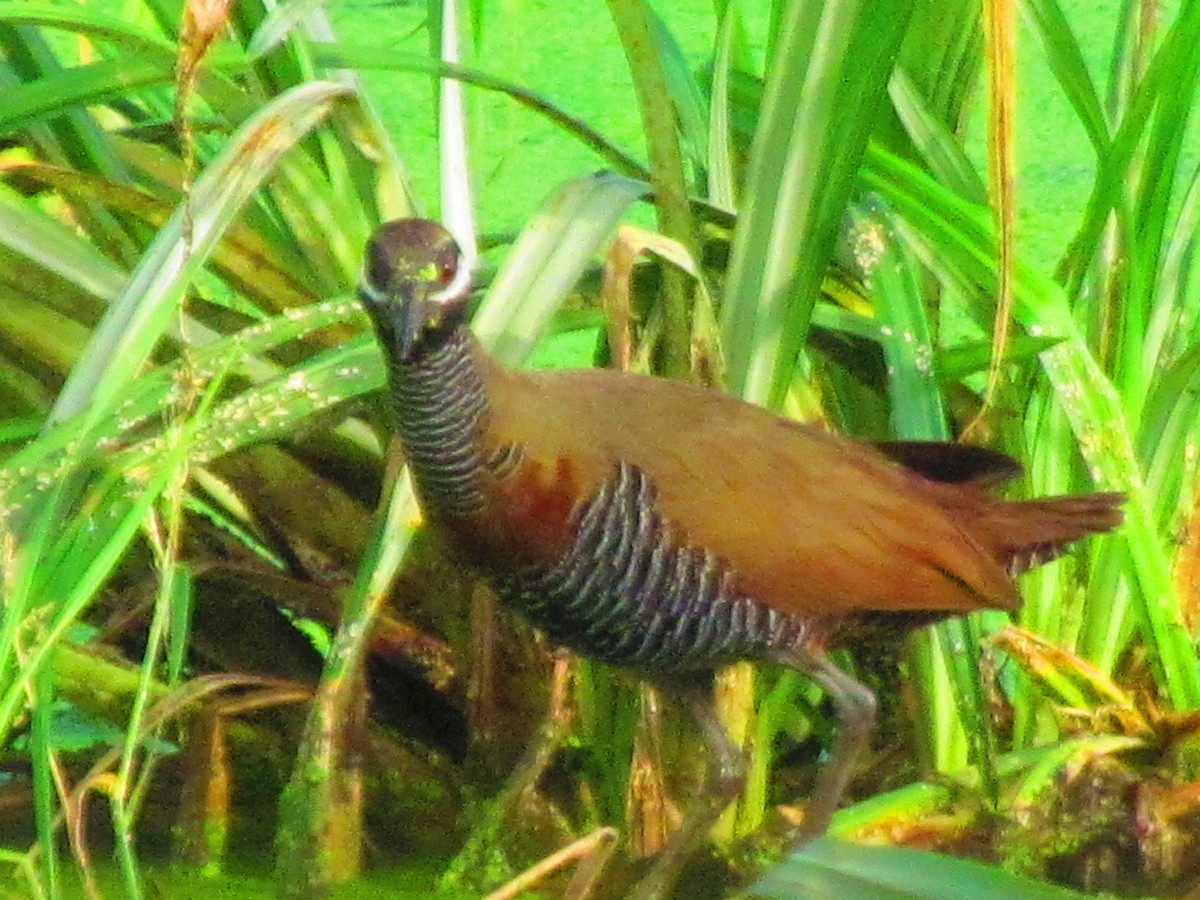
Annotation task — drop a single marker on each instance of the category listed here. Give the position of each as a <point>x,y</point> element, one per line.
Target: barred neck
<point>438,399</point>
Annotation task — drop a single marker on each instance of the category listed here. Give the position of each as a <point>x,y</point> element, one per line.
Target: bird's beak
<point>397,315</point>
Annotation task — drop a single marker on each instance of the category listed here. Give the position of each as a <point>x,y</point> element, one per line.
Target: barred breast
<point>630,590</point>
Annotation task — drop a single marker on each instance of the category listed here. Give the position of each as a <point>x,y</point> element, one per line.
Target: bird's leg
<point>726,775</point>
<point>854,708</point>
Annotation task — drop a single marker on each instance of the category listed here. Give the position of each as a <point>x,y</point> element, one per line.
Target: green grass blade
<point>947,662</point>
<point>45,793</point>
<point>548,258</point>
<point>1169,425</point>
<point>958,235</point>
<point>1110,190</point>
<point>275,28</point>
<point>830,58</point>
<point>942,55</point>
<point>180,603</point>
<point>659,113</point>
<point>51,246</point>
<point>1063,54</point>
<point>84,20</point>
<point>137,319</point>
<point>918,412</point>
<point>339,55</point>
<point>29,529</point>
<point>73,565</point>
<point>691,109</point>
<point>722,187</point>
<point>89,85</point>
<point>1176,302</point>
<point>933,139</point>
<point>829,868</point>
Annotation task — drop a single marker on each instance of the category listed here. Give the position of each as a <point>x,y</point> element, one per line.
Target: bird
<point>670,529</point>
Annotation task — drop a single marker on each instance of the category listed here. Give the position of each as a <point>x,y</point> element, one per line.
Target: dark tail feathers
<point>1027,533</point>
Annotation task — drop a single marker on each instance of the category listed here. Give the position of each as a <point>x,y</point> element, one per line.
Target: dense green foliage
<point>189,562</point>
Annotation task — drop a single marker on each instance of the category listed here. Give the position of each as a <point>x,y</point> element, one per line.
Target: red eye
<point>446,272</point>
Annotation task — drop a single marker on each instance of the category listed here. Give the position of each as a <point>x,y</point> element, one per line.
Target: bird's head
<point>415,285</point>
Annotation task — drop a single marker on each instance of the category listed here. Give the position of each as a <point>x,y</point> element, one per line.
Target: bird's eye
<point>446,271</point>
<point>441,271</point>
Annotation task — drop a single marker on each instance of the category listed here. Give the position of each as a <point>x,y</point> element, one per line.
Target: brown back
<point>811,523</point>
